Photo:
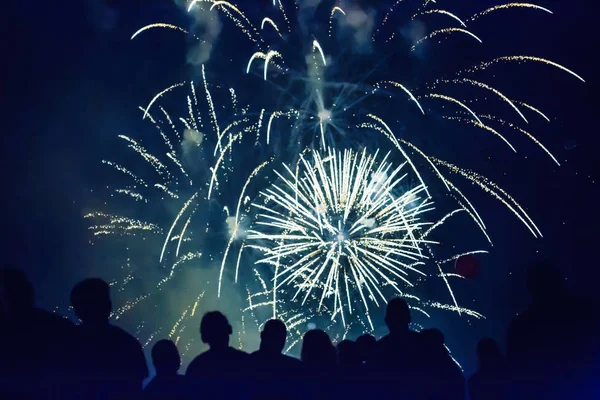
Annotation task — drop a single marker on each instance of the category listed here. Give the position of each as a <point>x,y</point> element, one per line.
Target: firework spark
<point>159,95</point>
<point>486,65</point>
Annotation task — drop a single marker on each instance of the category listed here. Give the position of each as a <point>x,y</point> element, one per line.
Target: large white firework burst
<point>342,224</point>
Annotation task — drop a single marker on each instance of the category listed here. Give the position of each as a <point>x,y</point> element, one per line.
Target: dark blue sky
<point>72,81</point>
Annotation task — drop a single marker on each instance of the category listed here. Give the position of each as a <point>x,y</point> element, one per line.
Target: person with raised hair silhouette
<point>111,362</point>
<point>167,383</point>
<point>276,375</point>
<point>221,371</point>
<point>398,357</point>
<point>36,346</point>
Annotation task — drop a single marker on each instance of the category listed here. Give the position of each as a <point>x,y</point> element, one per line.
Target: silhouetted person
<point>349,377</point>
<point>397,359</point>
<point>362,380</point>
<point>167,383</point>
<point>366,346</point>
<point>552,347</point>
<point>272,342</point>
<point>276,374</point>
<point>442,378</point>
<point>490,380</point>
<point>111,361</point>
<point>220,371</point>
<point>348,354</point>
<point>318,353</point>
<point>319,360</point>
<point>36,346</point>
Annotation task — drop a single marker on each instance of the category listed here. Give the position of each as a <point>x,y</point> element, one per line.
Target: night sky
<point>73,81</point>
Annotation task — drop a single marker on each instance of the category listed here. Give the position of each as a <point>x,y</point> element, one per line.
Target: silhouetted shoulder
<point>213,361</point>
<point>408,340</point>
<point>52,319</point>
<point>56,329</point>
<point>384,342</point>
<point>487,386</point>
<point>166,387</point>
<point>113,336</point>
<point>112,340</point>
<point>38,334</point>
<point>235,355</point>
<point>291,361</point>
<point>138,360</point>
<point>258,354</point>
<point>36,346</point>
<point>195,367</point>
<point>239,353</point>
<point>263,359</point>
<point>122,336</point>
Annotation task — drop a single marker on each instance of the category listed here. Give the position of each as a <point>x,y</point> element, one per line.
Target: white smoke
<point>233,228</point>
<point>314,71</point>
<point>414,31</point>
<point>377,180</point>
<point>359,25</point>
<point>321,209</point>
<point>308,3</point>
<point>207,27</point>
<point>102,16</point>
<point>202,277</point>
<point>192,140</point>
<point>412,201</point>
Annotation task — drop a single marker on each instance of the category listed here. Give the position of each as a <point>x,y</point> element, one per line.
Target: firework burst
<point>340,226</point>
<point>337,231</point>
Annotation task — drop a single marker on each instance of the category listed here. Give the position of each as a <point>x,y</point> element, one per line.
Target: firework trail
<point>147,109</point>
<point>442,32</point>
<point>158,25</point>
<point>453,100</point>
<point>443,12</point>
<point>532,109</point>
<point>272,23</point>
<point>486,65</point>
<point>506,6</point>
<point>495,91</point>
<point>399,85</point>
<point>519,129</point>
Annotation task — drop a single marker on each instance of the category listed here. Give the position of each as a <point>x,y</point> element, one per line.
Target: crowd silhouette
<point>551,353</point>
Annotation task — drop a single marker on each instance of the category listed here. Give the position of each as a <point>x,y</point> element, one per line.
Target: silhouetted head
<point>366,346</point>
<point>16,292</point>
<point>165,357</point>
<point>90,299</point>
<point>215,329</point>
<point>272,338</point>
<point>317,349</point>
<point>348,353</point>
<point>488,354</point>
<point>397,315</point>
<point>544,282</point>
